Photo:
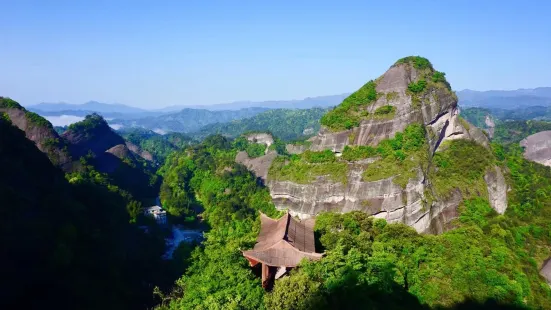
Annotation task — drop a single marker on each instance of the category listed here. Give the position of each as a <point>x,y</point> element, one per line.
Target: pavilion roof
<point>283,242</point>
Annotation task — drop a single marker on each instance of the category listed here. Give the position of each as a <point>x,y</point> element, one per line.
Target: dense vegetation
<point>229,198</point>
<point>515,131</point>
<point>369,262</point>
<point>349,113</point>
<point>160,146</point>
<point>285,124</point>
<point>461,165</point>
<point>68,243</point>
<point>476,116</point>
<point>401,156</point>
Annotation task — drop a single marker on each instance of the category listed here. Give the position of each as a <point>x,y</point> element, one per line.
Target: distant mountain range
<point>306,103</point>
<point>121,110</point>
<point>505,99</point>
<point>88,106</point>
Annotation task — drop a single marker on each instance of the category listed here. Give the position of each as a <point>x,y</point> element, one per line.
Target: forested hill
<point>159,146</point>
<point>509,126</point>
<point>285,124</point>
<point>368,263</point>
<point>67,242</point>
<point>38,130</point>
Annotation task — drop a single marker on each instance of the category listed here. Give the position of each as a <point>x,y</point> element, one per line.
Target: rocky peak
<point>92,134</point>
<point>389,149</point>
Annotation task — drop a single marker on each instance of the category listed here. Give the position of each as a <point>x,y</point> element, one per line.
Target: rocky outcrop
<point>262,138</point>
<point>259,165</point>
<point>497,189</point>
<point>537,147</point>
<point>490,125</point>
<point>415,205</point>
<point>296,148</point>
<point>121,152</point>
<point>93,134</point>
<point>545,271</point>
<point>139,152</point>
<point>38,130</point>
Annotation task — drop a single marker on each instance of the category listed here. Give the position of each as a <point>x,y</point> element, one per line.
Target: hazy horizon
<point>152,56</point>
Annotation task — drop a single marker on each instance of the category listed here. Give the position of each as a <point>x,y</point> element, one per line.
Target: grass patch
<point>391,96</point>
<point>417,87</point>
<point>464,123</point>
<point>299,171</point>
<point>384,110</point>
<point>353,153</point>
<point>326,156</point>
<point>348,114</point>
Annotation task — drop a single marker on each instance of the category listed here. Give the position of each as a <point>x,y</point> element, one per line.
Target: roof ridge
<point>287,226</point>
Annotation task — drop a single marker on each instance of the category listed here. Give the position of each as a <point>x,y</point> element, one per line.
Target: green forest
<point>78,238</point>
<point>368,262</point>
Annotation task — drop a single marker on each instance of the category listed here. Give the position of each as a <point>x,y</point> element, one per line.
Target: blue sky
<point>158,53</point>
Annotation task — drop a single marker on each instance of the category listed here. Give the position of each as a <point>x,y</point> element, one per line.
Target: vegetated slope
<point>159,146</point>
<point>285,124</point>
<point>38,130</point>
<point>486,260</point>
<point>395,149</point>
<point>125,163</point>
<point>67,245</point>
<point>188,120</point>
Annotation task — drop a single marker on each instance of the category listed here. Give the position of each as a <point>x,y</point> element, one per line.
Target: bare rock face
<point>491,126</point>
<point>121,152</point>
<point>497,189</point>
<point>538,147</point>
<point>259,165</point>
<point>262,138</point>
<point>436,109</point>
<point>139,152</point>
<point>546,270</point>
<point>296,149</point>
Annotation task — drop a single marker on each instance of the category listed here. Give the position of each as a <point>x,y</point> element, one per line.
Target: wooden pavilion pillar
<point>265,275</point>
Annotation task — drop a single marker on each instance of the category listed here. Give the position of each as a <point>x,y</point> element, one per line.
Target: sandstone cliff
<point>373,168</point>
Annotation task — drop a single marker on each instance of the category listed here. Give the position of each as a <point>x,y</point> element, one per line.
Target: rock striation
<point>406,101</point>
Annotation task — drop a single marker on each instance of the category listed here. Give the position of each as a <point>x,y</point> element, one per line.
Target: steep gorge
<point>373,169</point>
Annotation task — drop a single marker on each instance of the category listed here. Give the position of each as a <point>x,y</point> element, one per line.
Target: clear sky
<point>157,53</point>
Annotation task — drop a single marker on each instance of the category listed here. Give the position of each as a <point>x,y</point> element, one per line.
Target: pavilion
<point>280,246</point>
